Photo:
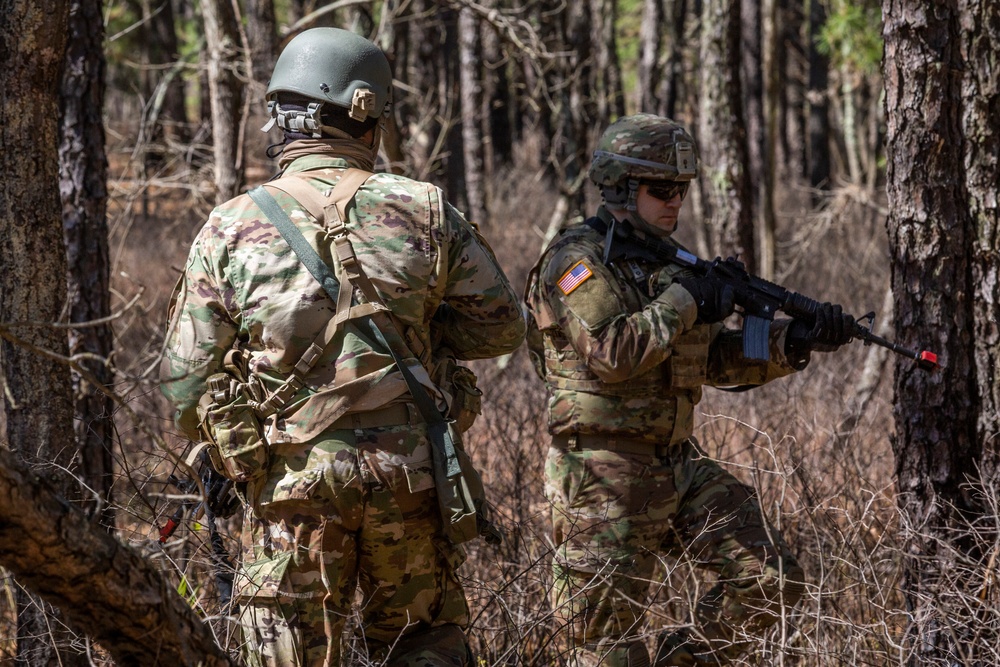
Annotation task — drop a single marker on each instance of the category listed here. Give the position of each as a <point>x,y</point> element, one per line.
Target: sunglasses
<point>665,191</point>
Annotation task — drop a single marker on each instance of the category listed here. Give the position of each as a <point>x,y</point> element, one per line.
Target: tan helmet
<point>643,147</point>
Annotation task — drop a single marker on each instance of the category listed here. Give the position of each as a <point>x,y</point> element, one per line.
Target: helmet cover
<point>644,147</point>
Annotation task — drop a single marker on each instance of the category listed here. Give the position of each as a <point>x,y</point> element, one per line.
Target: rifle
<point>759,299</point>
<point>220,500</point>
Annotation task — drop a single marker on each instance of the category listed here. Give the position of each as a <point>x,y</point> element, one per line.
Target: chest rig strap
<point>314,202</point>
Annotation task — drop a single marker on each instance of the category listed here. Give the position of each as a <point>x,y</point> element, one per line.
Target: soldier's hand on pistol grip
<point>715,300</point>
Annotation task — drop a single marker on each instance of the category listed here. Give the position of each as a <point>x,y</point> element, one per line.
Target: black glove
<point>832,329</point>
<point>716,301</point>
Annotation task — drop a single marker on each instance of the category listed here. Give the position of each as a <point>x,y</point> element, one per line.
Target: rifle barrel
<point>925,359</point>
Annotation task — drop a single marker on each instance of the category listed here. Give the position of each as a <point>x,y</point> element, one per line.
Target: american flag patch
<point>574,277</point>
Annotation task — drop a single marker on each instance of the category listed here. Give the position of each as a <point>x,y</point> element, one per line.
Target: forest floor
<point>815,446</point>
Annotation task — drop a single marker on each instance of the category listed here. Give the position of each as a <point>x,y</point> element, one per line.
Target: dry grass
<point>828,488</point>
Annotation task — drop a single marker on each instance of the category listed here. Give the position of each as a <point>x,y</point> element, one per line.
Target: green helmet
<point>643,147</point>
<point>335,66</point>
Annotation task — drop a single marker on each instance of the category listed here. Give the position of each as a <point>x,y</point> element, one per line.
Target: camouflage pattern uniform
<point>624,362</point>
<point>348,500</point>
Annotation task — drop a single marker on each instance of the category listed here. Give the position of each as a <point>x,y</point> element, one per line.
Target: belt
<point>610,443</point>
<point>392,415</point>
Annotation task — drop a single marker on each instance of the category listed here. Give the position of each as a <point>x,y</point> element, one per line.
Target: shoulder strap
<point>307,255</point>
<point>388,336</point>
<point>316,202</point>
<point>311,199</point>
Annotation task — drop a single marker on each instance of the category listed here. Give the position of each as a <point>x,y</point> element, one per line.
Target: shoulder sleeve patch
<point>576,276</point>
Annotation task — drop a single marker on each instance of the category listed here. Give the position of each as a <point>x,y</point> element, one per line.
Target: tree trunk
<point>752,81</point>
<point>449,93</point>
<point>103,587</point>
<point>499,105</point>
<point>222,40</point>
<point>818,157</point>
<point>792,78</point>
<point>673,72</point>
<point>722,136</point>
<point>943,134</point>
<point>392,41</point>
<point>262,51</point>
<point>850,123</point>
<point>83,185</point>
<point>422,110</point>
<point>580,115</point>
<point>758,166</point>
<point>650,68</point>
<point>607,71</point>
<point>39,406</point>
<point>163,87</point>
<point>537,106</point>
<point>470,57</point>
<point>980,32</point>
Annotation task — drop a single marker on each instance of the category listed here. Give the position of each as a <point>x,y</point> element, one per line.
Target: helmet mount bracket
<point>362,105</point>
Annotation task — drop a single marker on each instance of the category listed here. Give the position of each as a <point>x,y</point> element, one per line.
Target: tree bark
<point>758,166</point>
<point>672,86</point>
<point>470,57</point>
<point>83,168</point>
<point>262,51</point>
<point>818,157</point>
<point>262,40</point>
<point>980,31</point>
<point>39,406</point>
<point>449,93</point>
<point>162,84</point>
<point>650,68</point>
<point>222,38</point>
<point>499,105</point>
<point>722,135</point>
<point>790,62</point>
<point>104,588</point>
<point>943,134</point>
<point>752,81</point>
<point>607,71</point>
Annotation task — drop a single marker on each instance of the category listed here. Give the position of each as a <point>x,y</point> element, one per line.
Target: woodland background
<point>849,151</point>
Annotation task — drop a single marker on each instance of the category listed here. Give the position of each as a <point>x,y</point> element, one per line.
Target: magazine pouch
<point>231,424</point>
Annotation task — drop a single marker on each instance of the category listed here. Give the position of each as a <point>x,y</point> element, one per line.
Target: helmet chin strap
<point>633,216</point>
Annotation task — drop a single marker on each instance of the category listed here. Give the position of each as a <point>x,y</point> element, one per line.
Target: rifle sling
<point>387,337</point>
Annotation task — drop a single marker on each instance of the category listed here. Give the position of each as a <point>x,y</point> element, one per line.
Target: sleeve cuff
<point>680,300</point>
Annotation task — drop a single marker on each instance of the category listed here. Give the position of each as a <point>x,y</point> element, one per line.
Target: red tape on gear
<point>167,530</point>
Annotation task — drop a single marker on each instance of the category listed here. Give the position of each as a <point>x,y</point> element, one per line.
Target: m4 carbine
<point>761,299</point>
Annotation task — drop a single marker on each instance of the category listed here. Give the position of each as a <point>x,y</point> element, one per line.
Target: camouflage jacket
<point>621,354</point>
<point>244,287</point>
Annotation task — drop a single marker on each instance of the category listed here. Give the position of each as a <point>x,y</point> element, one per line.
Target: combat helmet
<point>641,147</point>
<point>329,66</point>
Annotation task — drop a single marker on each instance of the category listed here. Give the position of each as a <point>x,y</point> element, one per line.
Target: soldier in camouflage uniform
<point>625,345</point>
<point>346,502</point>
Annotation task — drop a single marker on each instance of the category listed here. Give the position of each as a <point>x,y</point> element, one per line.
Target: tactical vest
<point>657,404</point>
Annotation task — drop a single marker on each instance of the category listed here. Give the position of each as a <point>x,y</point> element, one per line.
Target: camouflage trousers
<point>616,516</point>
<point>350,517</point>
